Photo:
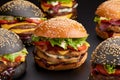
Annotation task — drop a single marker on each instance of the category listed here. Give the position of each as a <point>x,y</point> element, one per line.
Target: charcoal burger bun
<point>106,53</point>
<point>10,44</point>
<point>110,50</point>
<point>22,8</point>
<point>29,15</point>
<point>59,28</point>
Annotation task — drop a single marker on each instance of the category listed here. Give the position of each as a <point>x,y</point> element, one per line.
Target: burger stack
<point>108,19</point>
<point>59,45</point>
<point>21,17</point>
<point>105,60</point>
<point>59,8</point>
<point>12,55</point>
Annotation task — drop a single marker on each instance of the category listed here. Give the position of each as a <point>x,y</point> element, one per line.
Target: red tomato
<point>101,69</point>
<point>33,20</point>
<point>4,59</point>
<point>41,43</point>
<point>83,47</point>
<point>13,21</point>
<point>3,21</point>
<point>17,59</point>
<point>117,72</point>
<point>46,5</point>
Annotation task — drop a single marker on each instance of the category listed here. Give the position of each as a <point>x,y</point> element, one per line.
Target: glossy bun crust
<point>107,52</point>
<point>61,28</point>
<point>9,42</point>
<point>109,9</point>
<point>22,8</point>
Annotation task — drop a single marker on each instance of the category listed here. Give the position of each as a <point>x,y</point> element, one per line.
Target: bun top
<point>60,28</point>
<point>20,8</point>
<point>107,52</point>
<point>109,9</point>
<point>9,42</point>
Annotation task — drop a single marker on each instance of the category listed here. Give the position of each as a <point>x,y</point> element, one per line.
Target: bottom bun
<point>105,35</point>
<point>20,70</point>
<point>62,66</point>
<point>103,77</point>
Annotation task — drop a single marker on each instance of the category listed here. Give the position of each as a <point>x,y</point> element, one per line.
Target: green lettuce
<point>12,56</point>
<point>98,19</point>
<point>63,42</point>
<point>110,69</point>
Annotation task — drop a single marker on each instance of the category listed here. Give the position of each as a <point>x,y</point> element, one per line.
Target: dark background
<point>86,10</point>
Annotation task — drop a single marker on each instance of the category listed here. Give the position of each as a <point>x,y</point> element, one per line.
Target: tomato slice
<point>101,69</point>
<point>83,47</point>
<point>41,43</point>
<point>34,21</point>
<point>4,59</point>
<point>117,72</point>
<point>46,5</point>
<point>17,59</point>
<point>3,21</point>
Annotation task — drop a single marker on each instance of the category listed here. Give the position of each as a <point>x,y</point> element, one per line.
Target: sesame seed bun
<point>61,28</point>
<point>9,42</point>
<point>107,52</point>
<point>63,66</point>
<point>20,8</point>
<point>109,9</point>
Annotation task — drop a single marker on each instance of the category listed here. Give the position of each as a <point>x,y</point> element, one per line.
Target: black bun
<point>20,8</point>
<point>20,70</point>
<point>9,42</point>
<point>107,52</point>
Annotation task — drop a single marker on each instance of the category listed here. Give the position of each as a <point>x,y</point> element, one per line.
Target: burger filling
<point>59,50</point>
<point>108,25</point>
<point>14,57</point>
<point>24,27</point>
<point>59,7</point>
<point>107,70</point>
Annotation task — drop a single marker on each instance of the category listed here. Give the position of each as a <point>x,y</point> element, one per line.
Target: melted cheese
<point>18,31</point>
<point>67,5</point>
<point>8,26</point>
<point>63,52</point>
<point>67,16</point>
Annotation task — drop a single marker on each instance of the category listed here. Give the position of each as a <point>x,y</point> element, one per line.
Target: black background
<point>86,13</point>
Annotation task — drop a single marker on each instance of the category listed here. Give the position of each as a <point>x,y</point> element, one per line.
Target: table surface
<point>86,14</point>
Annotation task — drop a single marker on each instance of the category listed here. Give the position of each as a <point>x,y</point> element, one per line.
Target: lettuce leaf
<point>12,56</point>
<point>110,69</point>
<point>98,19</point>
<point>63,42</point>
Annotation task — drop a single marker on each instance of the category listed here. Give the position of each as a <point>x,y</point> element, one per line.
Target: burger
<point>21,17</point>
<point>108,19</point>
<point>12,55</point>
<point>59,8</point>
<point>59,45</point>
<point>105,60</point>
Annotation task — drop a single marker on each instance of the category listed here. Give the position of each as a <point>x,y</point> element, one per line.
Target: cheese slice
<point>63,52</point>
<point>67,16</point>
<point>67,4</point>
<point>8,26</point>
<point>18,31</point>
